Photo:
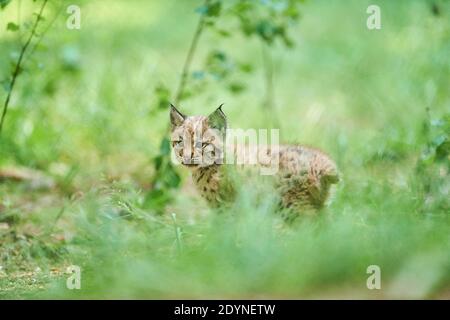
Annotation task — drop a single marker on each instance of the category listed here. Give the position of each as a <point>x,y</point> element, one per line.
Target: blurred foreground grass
<point>86,114</point>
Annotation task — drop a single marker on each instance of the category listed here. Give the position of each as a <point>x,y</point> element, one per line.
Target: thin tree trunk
<point>17,68</point>
<point>189,57</point>
<point>269,99</point>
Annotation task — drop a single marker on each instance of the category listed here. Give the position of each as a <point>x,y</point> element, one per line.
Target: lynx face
<point>198,141</point>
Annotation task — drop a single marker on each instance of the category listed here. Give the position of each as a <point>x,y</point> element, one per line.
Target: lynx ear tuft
<point>176,117</point>
<point>217,119</point>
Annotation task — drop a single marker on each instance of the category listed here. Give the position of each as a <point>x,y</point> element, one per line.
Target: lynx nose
<point>187,160</point>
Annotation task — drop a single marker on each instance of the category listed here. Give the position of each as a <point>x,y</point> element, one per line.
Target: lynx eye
<point>178,143</point>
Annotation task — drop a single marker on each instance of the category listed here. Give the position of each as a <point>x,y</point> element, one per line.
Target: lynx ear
<point>176,117</point>
<point>217,119</point>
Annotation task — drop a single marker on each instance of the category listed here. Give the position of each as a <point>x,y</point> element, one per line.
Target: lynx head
<point>198,141</point>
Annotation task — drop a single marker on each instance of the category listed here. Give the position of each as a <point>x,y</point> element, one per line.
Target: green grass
<point>86,114</point>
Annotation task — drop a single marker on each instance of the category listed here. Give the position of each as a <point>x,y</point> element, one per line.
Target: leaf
<point>11,26</point>
<point>210,10</point>
<point>246,67</point>
<point>172,179</point>
<point>164,148</point>
<point>439,140</point>
<point>218,64</point>
<point>266,30</point>
<point>442,144</point>
<point>163,95</point>
<point>443,150</point>
<point>242,7</point>
<point>214,9</point>
<point>236,87</point>
<point>156,199</point>
<point>4,3</point>
<point>158,160</point>
<point>223,33</point>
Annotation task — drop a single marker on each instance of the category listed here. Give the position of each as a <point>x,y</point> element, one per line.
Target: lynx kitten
<point>303,178</point>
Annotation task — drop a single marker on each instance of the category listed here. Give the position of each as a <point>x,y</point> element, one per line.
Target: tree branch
<point>189,57</point>
<point>18,64</point>
<point>43,33</point>
<point>269,100</point>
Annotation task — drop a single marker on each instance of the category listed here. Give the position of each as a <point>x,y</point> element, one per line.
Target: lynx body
<point>302,180</point>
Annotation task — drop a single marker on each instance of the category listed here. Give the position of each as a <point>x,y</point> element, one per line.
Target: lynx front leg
<point>321,175</point>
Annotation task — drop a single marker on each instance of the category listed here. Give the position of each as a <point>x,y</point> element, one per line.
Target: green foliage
<point>91,110</point>
<point>18,63</point>
<point>433,166</point>
<point>218,64</point>
<point>4,3</point>
<point>438,145</point>
<point>11,26</point>
<point>163,97</point>
<point>165,179</point>
<point>268,19</point>
<point>210,9</point>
